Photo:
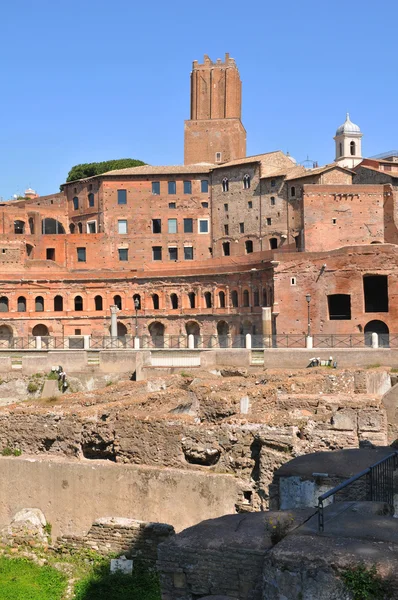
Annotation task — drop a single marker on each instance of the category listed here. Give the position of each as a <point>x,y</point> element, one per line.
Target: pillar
<point>86,342</point>
<point>191,341</point>
<point>309,341</point>
<point>136,343</point>
<point>114,311</point>
<point>375,340</point>
<point>38,342</point>
<point>248,341</point>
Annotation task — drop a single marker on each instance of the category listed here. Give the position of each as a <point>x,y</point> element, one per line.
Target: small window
<point>188,225</point>
<point>269,221</point>
<point>21,305</point>
<point>226,229</point>
<point>246,298</point>
<point>225,207</point>
<point>81,255</point>
<point>90,187</point>
<point>272,200</point>
<point>172,226</point>
<point>19,227</point>
<point>273,243</point>
<point>203,225</point>
<point>293,191</point>
<point>352,149</point>
<point>117,301</point>
<point>246,182</point>
<point>218,157</point>
<point>3,304</point>
<point>78,331</point>
<point>273,183</point>
<point>173,253</point>
<point>293,281</point>
<point>249,246</point>
<point>188,253</point>
<point>172,205</point>
<point>122,226</point>
<point>205,205</point>
<point>50,254</point>
<point>156,225</point>
<point>187,187</point>
<point>225,185</point>
<point>171,187</point>
<point>256,298</point>
<point>78,303</point>
<point>137,300</point>
<point>157,252</point>
<point>91,226</point>
<point>340,149</point>
<point>75,203</point>
<point>155,301</point>
<point>39,304</point>
<point>58,304</point>
<point>192,299</point>
<point>241,228</point>
<point>334,221</point>
<point>122,196</point>
<point>156,187</point>
<point>98,303</point>
<point>250,204</point>
<point>123,254</point>
<point>204,186</point>
<point>91,200</point>
<point>339,307</point>
<point>80,228</point>
<point>174,301</point>
<point>234,299</point>
<point>208,300</point>
<point>221,299</point>
<point>226,249</point>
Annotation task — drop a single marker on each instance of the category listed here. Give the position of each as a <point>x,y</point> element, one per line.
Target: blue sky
<point>87,80</point>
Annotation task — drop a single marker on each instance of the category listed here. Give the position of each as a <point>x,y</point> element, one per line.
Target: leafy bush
<point>32,387</point>
<point>365,584</point>
<point>96,168</point>
<point>24,580</point>
<point>7,451</point>
<point>101,585</point>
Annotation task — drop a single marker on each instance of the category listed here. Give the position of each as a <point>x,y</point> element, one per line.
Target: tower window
<point>188,253</point>
<point>203,225</point>
<point>249,246</point>
<point>91,200</point>
<point>123,254</point>
<point>122,226</point>
<point>246,182</point>
<point>293,281</point>
<point>81,254</point>
<point>204,186</point>
<point>272,200</point>
<point>157,252</point>
<point>234,298</point>
<point>208,299</point>
<point>156,187</point>
<point>75,203</point>
<point>225,185</point>
<point>205,205</point>
<point>334,221</point>
<point>273,183</point>
<point>218,157</point>
<point>269,221</point>
<point>226,248</point>
<point>173,253</point>
<point>226,229</point>
<point>171,186</point>
<point>122,196</point>
<point>273,243</point>
<point>50,253</point>
<point>225,207</point>
<point>352,149</point>
<point>340,149</point>
<point>188,225</point>
<point>187,187</point>
<point>172,226</point>
<point>250,204</point>
<point>241,228</point>
<point>156,225</point>
<point>172,205</point>
<point>292,191</point>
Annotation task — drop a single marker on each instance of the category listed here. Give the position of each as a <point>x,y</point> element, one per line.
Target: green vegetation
<point>32,387</point>
<point>96,168</point>
<point>48,529</point>
<point>7,451</point>
<point>22,579</point>
<point>101,585</point>
<point>109,383</point>
<point>375,366</point>
<point>52,375</point>
<point>365,584</point>
<point>185,374</point>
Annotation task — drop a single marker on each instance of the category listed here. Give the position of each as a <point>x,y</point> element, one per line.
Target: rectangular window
<point>218,157</point>
<point>122,196</point>
<point>156,225</point>
<point>156,188</point>
<point>91,226</point>
<point>173,253</point>
<point>272,200</point>
<point>250,204</point>
<point>226,248</point>
<point>203,225</point>
<point>187,187</point>
<point>225,207</point>
<point>204,186</point>
<point>269,221</point>
<point>171,185</point>
<point>50,253</point>
<point>123,254</point>
<point>81,254</point>
<point>157,252</point>
<point>375,289</point>
<point>205,205</point>
<point>188,225</point>
<point>226,229</point>
<point>172,226</point>
<point>91,200</point>
<point>188,253</point>
<point>172,205</point>
<point>122,226</point>
<point>339,307</point>
<point>75,203</point>
<point>241,228</point>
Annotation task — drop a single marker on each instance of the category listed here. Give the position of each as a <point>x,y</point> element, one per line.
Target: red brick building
<point>223,244</point>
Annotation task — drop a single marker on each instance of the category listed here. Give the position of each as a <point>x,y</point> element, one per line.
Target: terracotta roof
<point>393,174</point>
<point>319,171</point>
<point>161,170</point>
<point>297,170</point>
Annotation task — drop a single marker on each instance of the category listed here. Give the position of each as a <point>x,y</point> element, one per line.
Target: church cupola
<point>348,144</point>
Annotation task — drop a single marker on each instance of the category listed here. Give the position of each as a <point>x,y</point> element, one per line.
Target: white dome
<point>348,127</point>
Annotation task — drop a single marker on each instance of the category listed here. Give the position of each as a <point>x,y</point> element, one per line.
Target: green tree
<point>96,168</point>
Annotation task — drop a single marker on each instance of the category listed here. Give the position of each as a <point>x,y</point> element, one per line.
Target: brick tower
<point>214,133</point>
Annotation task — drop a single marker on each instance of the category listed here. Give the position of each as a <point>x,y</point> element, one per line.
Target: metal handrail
<point>393,457</point>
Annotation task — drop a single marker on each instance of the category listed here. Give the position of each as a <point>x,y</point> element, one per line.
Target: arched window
<point>221,299</point>
<point>234,298</point>
<point>52,227</point>
<point>225,185</point>
<point>246,182</point>
<point>265,300</point>
<point>156,331</point>
<point>256,298</point>
<point>222,333</point>
<point>340,149</point>
<point>208,301</point>
<point>155,301</point>
<point>58,303</point>
<point>174,301</point>
<point>293,191</point>
<point>75,203</point>
<point>72,228</point>
<point>80,228</point>
<point>246,298</point>
<point>91,199</point>
<point>192,299</point>
<point>39,304</point>
<point>21,304</point>
<point>40,330</point>
<point>117,301</point>
<point>137,300</point>
<point>31,225</point>
<point>352,149</point>
<point>273,243</point>
<point>98,303</point>
<point>78,303</point>
<point>19,226</point>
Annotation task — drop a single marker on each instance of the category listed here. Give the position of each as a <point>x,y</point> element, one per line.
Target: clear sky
<point>88,80</point>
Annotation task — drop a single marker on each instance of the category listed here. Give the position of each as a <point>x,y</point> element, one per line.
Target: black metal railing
<point>375,484</point>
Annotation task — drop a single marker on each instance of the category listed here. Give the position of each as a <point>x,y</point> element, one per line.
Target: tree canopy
<point>96,168</point>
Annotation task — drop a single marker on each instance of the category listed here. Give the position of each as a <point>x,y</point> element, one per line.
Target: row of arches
<point>49,226</point>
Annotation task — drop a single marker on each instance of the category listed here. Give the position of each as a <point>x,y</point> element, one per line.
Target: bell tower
<point>214,133</point>
<point>348,144</point>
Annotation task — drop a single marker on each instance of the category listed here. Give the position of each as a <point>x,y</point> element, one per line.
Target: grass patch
<point>32,387</point>
<point>101,585</point>
<point>394,370</point>
<point>7,451</point>
<point>375,366</point>
<point>22,579</point>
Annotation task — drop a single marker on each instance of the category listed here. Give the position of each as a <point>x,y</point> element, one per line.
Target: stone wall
<point>134,539</point>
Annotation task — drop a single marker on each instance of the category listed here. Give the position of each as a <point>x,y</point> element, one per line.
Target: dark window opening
<point>292,191</point>
<point>81,255</point>
<point>272,200</point>
<point>123,254</point>
<point>250,204</point>
<point>249,246</point>
<point>225,185</point>
<point>137,300</point>
<point>375,289</point>
<point>205,205</point>
<point>156,187</point>
<point>188,225</point>
<point>3,304</point>
<point>31,225</point>
<point>273,183</point>
<point>188,253</point>
<point>157,252</point>
<point>98,303</point>
<point>204,186</point>
<point>75,203</point>
<point>192,299</point>
<point>58,303</point>
<point>273,243</point>
<point>50,253</point>
<point>246,298</point>
<point>241,228</point>
<point>91,200</point>
<point>78,303</point>
<point>156,225</point>
<point>226,229</point>
<point>39,304</point>
<point>117,301</point>
<point>256,298</point>
<point>246,182</point>
<point>339,307</point>
<point>21,306</point>
<point>234,299</point>
<point>155,301</point>
<point>172,205</point>
<point>187,187</point>
<point>221,299</point>
<point>226,248</point>
<point>122,196</point>
<point>173,253</point>
<point>174,301</point>
<point>19,226</point>
<point>352,148</point>
<point>208,300</point>
<point>80,227</point>
<point>171,186</point>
